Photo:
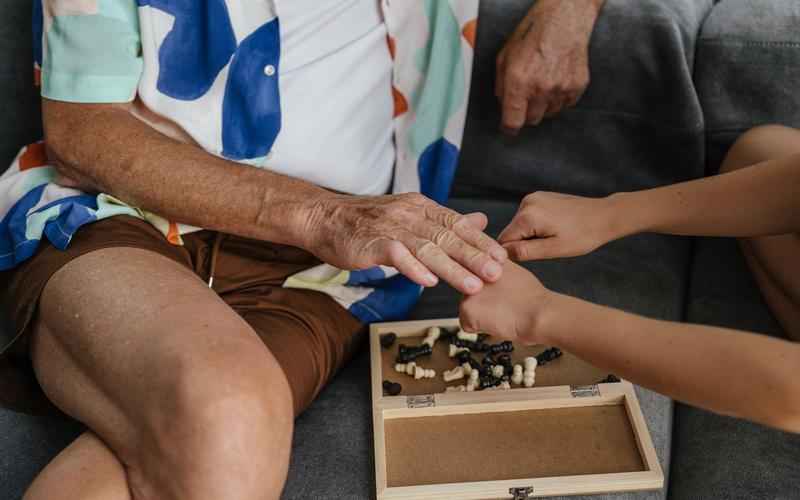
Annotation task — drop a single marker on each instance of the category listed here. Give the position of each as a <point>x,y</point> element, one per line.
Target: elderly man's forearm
<point>106,147</point>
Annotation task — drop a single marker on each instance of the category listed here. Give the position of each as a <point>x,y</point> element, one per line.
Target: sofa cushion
<point>722,457</point>
<point>748,69</point>
<point>638,125</point>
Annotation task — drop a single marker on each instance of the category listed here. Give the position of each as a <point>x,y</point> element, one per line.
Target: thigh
<point>119,336</point>
<point>309,334</point>
<point>774,260</point>
<point>86,469</point>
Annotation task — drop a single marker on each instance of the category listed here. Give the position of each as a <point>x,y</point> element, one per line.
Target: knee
<point>758,144</point>
<point>225,431</point>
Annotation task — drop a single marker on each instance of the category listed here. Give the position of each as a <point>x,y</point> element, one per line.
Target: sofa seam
<point>748,43</point>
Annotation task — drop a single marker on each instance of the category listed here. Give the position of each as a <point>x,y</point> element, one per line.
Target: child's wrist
<point>623,214</point>
<point>545,318</point>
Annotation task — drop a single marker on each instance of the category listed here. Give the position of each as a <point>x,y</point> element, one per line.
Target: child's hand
<point>509,308</point>
<point>551,225</point>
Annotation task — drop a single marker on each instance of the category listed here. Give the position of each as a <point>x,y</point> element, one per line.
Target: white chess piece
<point>433,335</point>
<point>516,376</point>
<point>455,350</point>
<point>454,374</point>
<point>471,337</point>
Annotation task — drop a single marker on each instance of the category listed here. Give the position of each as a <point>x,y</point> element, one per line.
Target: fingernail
<point>430,280</point>
<point>472,284</point>
<point>499,254</point>
<point>492,270</point>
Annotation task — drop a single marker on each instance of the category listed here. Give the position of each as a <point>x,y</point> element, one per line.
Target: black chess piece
<point>387,339</point>
<point>392,388</point>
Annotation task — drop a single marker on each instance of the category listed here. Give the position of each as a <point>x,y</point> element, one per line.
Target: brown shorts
<point>309,334</point>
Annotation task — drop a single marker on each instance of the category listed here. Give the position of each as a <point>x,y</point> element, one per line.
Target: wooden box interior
<point>509,445</point>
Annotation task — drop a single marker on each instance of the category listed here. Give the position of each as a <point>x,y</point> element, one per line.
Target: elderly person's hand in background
<point>544,66</point>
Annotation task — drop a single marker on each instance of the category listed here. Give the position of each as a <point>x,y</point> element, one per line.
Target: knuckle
<point>444,237</point>
<point>426,249</point>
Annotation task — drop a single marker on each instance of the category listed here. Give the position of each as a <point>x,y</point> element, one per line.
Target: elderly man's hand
<point>544,66</point>
<point>410,232</point>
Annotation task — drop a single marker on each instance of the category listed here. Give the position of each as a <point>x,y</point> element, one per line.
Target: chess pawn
<point>433,335</point>
<point>454,374</point>
<point>516,376</point>
<point>470,337</point>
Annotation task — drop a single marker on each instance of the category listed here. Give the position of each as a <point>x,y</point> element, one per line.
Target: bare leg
<point>172,381</point>
<point>84,470</point>
<point>774,260</point>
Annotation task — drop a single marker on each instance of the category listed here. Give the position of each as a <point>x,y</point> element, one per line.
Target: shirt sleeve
<point>91,50</point>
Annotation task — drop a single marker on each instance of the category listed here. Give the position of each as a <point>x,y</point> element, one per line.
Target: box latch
<point>424,401</point>
<point>584,391</point>
<point>523,493</point>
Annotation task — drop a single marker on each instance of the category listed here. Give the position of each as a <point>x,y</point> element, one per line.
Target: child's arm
<point>727,371</point>
<point>756,201</point>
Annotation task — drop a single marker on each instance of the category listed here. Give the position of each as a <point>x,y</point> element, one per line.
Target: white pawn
<point>472,337</point>
<point>410,368</point>
<point>455,350</point>
<point>498,371</point>
<point>433,335</point>
<point>470,386</point>
<point>454,374</point>
<point>420,372</point>
<point>473,376</point>
<point>400,367</point>
<point>467,368</point>
<point>516,377</point>
<point>529,379</point>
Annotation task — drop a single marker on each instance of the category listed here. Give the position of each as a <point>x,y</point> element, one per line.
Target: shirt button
<point>269,70</point>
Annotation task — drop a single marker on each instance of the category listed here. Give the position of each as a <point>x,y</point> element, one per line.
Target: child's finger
<point>535,249</point>
<point>469,321</point>
<point>518,229</point>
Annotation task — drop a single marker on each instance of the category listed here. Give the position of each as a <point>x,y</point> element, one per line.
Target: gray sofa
<point>673,83</point>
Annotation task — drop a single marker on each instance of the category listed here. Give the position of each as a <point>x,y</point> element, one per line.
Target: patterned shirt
<point>215,68</point>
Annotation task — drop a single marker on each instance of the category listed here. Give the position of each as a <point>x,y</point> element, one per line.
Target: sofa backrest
<point>638,125</point>
<point>20,119</point>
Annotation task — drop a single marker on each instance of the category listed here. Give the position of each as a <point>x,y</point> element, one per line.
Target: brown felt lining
<point>510,445</point>
<point>566,370</point>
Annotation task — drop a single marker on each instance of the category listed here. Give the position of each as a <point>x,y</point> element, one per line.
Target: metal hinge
<point>584,391</point>
<point>523,493</point>
<point>425,401</point>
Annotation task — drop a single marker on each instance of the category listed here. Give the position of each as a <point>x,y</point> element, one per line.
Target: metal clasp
<point>521,493</point>
<point>424,401</point>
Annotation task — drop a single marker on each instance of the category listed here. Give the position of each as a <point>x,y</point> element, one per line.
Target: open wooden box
<point>567,435</point>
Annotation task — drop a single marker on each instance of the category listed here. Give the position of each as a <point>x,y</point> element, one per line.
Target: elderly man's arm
<point>107,148</point>
<point>544,66</point>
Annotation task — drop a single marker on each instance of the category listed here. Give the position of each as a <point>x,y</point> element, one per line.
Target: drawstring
<point>213,262</point>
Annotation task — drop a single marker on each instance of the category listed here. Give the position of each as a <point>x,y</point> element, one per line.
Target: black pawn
<point>387,340</point>
<point>392,388</point>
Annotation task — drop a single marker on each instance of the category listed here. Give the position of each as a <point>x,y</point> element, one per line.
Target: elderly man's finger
<point>555,107</point>
<point>500,74</point>
<point>515,101</point>
<point>394,253</point>
<point>477,220</point>
<point>453,242</point>
<point>536,109</point>
<point>441,264</point>
<point>466,230</point>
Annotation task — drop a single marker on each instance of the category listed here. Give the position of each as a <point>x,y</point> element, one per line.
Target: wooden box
<point>567,435</point>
